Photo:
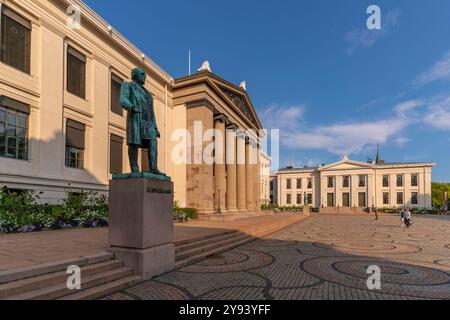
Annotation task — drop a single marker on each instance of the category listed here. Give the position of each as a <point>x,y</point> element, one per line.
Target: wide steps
<point>210,247</point>
<point>55,278</point>
<point>202,256</point>
<point>199,243</point>
<point>60,290</point>
<point>205,237</point>
<point>104,290</point>
<point>46,268</point>
<point>190,252</point>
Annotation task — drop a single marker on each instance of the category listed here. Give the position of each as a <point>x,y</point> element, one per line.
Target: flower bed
<point>22,213</point>
<point>184,214</point>
<point>414,211</point>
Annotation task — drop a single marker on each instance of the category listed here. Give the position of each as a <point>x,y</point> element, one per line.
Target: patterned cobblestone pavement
<point>323,257</point>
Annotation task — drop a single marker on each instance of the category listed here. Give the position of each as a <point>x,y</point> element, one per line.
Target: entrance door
<point>346,200</point>
<point>362,200</point>
<point>330,200</point>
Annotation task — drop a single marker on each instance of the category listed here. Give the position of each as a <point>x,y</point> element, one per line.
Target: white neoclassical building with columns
<point>350,185</point>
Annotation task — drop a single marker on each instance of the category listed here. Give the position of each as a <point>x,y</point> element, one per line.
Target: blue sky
<point>333,86</point>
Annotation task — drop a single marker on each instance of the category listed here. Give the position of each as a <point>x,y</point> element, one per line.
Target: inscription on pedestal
<point>158,190</point>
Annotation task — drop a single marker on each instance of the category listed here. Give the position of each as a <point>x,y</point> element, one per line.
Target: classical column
<point>354,192</point>
<point>231,157</point>
<point>323,194</point>
<point>200,182</point>
<point>371,190</point>
<point>241,172</point>
<point>257,173</point>
<point>338,182</point>
<point>249,175</point>
<point>220,181</point>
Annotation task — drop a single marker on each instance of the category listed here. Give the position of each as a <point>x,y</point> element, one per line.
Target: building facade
<point>215,111</point>
<point>352,184</point>
<point>62,127</point>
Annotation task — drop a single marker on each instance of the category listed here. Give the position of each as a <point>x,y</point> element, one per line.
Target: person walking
<point>402,218</point>
<point>375,211</point>
<point>408,221</point>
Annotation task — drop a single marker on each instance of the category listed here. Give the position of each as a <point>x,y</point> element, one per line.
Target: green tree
<point>438,190</point>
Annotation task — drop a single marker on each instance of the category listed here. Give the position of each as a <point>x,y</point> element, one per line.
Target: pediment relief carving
<point>240,101</point>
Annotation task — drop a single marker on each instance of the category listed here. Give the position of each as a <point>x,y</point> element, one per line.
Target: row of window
<point>75,148</point>
<point>400,198</point>
<point>15,51</point>
<point>76,80</point>
<point>346,200</point>
<point>14,137</point>
<point>307,200</point>
<point>299,184</point>
<point>362,199</point>
<point>362,181</point>
<point>15,35</point>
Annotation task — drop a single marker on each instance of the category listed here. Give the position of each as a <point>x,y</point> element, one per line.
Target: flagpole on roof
<point>189,61</point>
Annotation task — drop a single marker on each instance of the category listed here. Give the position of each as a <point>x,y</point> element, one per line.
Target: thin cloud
<point>289,116</point>
<point>343,138</point>
<point>365,38</point>
<point>438,115</point>
<point>439,72</point>
<point>401,141</point>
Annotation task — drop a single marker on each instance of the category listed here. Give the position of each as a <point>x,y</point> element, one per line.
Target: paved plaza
<point>323,257</point>
<point>29,250</point>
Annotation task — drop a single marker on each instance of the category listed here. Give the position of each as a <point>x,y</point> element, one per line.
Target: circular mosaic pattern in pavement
<point>396,278</point>
<point>230,257</point>
<point>350,236</point>
<point>323,257</point>
<point>230,262</point>
<point>366,247</point>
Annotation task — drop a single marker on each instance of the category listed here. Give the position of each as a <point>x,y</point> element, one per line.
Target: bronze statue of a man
<point>142,130</point>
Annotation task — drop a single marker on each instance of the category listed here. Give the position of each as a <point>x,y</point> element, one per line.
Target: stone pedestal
<point>141,223</point>
<point>306,210</point>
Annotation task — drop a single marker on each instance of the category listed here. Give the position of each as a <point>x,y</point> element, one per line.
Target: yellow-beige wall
<point>51,104</point>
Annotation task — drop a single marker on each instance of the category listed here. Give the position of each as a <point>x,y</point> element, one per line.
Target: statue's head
<point>138,75</point>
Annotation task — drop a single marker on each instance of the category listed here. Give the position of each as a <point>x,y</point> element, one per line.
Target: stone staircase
<point>233,216</point>
<point>194,250</point>
<point>100,275</point>
<point>345,211</point>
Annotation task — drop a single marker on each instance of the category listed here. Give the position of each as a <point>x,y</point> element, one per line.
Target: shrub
<point>414,211</point>
<point>184,213</point>
<point>269,206</point>
<point>22,213</point>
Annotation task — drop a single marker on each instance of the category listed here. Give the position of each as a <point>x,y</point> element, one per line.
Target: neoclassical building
<point>62,128</point>
<point>348,185</point>
<point>232,182</point>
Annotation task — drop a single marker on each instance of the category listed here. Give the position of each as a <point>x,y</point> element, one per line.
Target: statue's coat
<point>141,120</point>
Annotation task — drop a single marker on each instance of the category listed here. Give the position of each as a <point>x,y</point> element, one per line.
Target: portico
<point>223,142</point>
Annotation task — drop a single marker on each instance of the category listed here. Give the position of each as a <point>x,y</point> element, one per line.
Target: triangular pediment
<point>347,164</point>
<point>236,97</point>
<point>241,102</point>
